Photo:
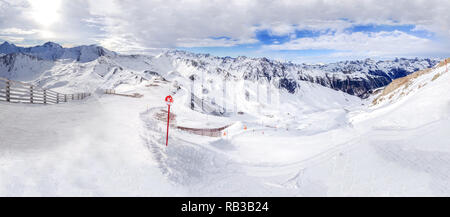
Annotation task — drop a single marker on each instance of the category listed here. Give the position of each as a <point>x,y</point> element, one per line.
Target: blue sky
<point>265,38</point>
<point>297,31</point>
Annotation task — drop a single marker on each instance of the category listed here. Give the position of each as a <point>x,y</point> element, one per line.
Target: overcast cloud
<point>304,30</point>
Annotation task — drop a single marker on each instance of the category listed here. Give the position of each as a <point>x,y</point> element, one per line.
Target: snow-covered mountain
<point>53,51</point>
<point>357,78</point>
<point>354,77</point>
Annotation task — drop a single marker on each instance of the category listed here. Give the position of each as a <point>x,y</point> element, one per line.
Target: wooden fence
<point>16,91</point>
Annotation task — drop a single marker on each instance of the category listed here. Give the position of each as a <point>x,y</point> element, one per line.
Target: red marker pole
<point>169,101</point>
<point>168,119</point>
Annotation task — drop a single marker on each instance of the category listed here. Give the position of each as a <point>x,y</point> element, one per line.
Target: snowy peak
<point>52,45</point>
<point>47,51</point>
<point>54,51</point>
<point>7,48</point>
<point>89,53</point>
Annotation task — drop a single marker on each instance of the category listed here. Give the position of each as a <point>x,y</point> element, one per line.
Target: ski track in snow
<point>336,171</point>
<point>83,148</point>
<point>92,158</point>
<point>322,143</point>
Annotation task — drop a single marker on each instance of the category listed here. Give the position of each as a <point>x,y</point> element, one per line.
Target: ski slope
<point>316,142</point>
<point>88,148</point>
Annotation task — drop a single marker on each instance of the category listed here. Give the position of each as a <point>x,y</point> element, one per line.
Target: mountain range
<point>359,78</point>
<point>54,51</point>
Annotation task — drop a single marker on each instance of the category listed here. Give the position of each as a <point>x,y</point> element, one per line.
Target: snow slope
<point>366,154</point>
<point>315,141</point>
<point>111,145</point>
<point>422,95</point>
<point>82,148</point>
<point>400,149</point>
<point>86,148</point>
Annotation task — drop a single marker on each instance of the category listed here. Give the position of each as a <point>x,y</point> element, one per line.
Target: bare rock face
<point>361,87</point>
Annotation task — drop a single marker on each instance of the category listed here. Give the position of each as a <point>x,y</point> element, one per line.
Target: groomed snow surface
<point>318,142</point>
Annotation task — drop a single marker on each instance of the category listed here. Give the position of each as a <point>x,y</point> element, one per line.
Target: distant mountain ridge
<point>54,51</point>
<point>357,78</point>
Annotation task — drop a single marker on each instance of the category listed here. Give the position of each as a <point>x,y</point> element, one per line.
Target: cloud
<point>212,42</point>
<point>168,23</point>
<point>16,31</point>
<point>373,44</point>
<point>143,25</point>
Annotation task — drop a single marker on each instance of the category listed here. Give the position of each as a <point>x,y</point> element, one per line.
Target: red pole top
<point>169,99</point>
